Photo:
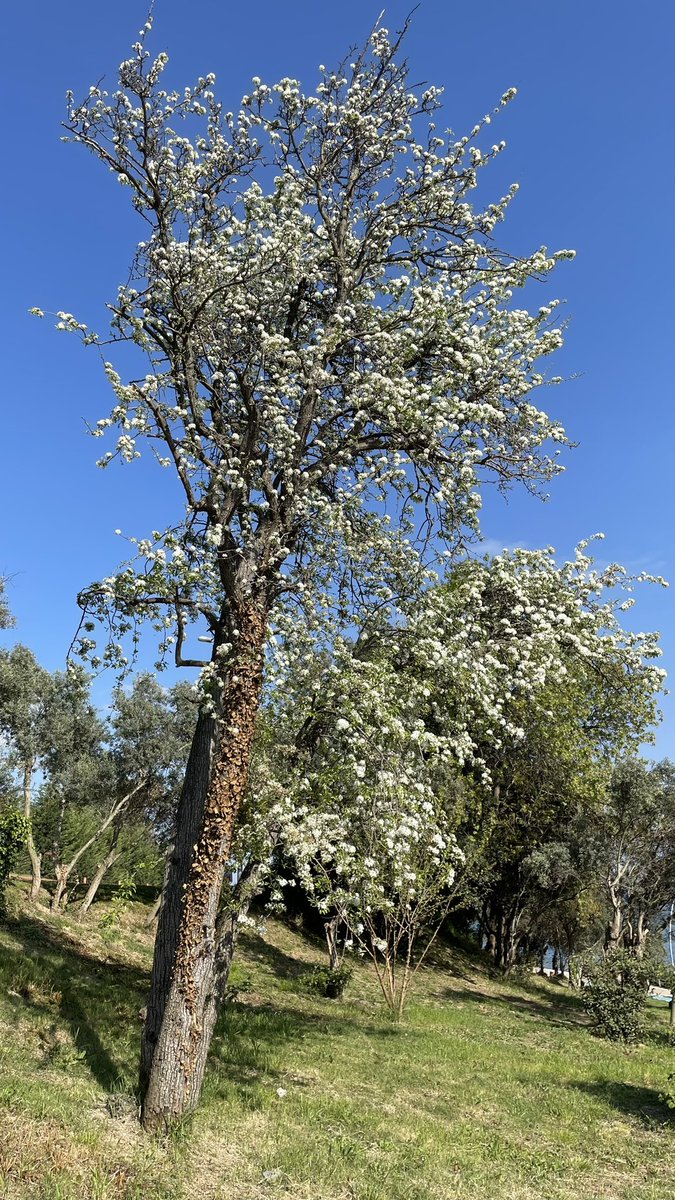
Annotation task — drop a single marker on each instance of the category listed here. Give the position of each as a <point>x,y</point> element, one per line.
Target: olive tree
<point>635,852</point>
<point>330,354</point>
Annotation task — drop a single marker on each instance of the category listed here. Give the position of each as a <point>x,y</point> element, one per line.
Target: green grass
<point>487,1090</point>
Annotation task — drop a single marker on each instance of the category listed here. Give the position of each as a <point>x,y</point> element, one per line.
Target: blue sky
<point>590,142</point>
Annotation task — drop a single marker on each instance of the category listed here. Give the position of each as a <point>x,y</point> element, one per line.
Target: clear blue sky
<point>590,140</point>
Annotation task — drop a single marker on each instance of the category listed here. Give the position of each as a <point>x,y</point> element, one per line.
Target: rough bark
<point>105,865</point>
<point>35,858</point>
<point>176,1073</point>
<point>155,912</point>
<point>189,816</point>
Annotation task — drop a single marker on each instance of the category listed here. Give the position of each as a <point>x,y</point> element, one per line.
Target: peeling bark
<point>188,821</point>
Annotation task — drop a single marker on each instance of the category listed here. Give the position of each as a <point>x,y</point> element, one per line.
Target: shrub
<point>14,829</point>
<point>615,994</point>
<point>327,981</point>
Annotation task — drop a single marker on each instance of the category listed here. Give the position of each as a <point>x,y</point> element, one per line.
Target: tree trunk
<point>105,865</point>
<point>508,942</point>
<point>331,929</point>
<point>155,912</point>
<point>189,816</point>
<point>56,844</point>
<point>640,936</point>
<point>35,858</point>
<point>614,929</point>
<point>194,973</point>
<point>61,871</point>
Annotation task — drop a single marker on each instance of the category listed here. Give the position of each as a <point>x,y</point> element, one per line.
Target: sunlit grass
<point>486,1090</point>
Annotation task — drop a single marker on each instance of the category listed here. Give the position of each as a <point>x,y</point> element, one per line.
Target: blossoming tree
<point>427,742</point>
<point>330,346</point>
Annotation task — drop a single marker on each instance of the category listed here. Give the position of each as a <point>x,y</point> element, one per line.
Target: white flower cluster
<point>338,343</point>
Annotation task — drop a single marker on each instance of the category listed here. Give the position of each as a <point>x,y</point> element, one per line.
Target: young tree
<point>134,780</point>
<point>321,341</point>
<point>487,718</point>
<point>74,763</point>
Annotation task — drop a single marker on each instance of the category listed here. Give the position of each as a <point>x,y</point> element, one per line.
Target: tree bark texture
<point>155,912</point>
<point>189,816</point>
<point>173,1074</point>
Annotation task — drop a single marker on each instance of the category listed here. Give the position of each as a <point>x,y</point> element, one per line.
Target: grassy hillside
<point>487,1090</point>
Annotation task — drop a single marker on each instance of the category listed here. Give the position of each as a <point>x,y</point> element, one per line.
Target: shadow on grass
<point>254,1046</point>
<point>97,1000</point>
<point>641,1103</point>
<point>282,965</point>
<point>563,1009</point>
<point>662,1037</point>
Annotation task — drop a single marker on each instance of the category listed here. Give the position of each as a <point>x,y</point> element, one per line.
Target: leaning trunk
<point>104,866</point>
<point>154,913</point>
<point>188,822</point>
<point>35,858</point>
<point>61,872</point>
<point>189,1011</point>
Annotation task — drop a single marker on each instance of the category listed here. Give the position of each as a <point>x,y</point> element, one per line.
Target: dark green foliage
<point>14,830</point>
<point>327,981</point>
<point>615,996</point>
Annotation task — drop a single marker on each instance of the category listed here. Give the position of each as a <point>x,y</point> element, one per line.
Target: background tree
<point>6,618</point>
<point>485,719</point>
<point>124,795</point>
<point>74,767</point>
<point>635,839</point>
<point>25,690</point>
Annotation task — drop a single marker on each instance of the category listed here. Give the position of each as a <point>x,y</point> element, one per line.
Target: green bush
<point>327,981</point>
<point>615,994</point>
<point>14,829</point>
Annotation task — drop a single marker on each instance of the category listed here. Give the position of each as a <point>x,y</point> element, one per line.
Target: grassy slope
<point>487,1089</point>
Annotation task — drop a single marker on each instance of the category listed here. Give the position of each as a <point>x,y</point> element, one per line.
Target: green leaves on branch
<point>14,831</point>
<point>615,995</point>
